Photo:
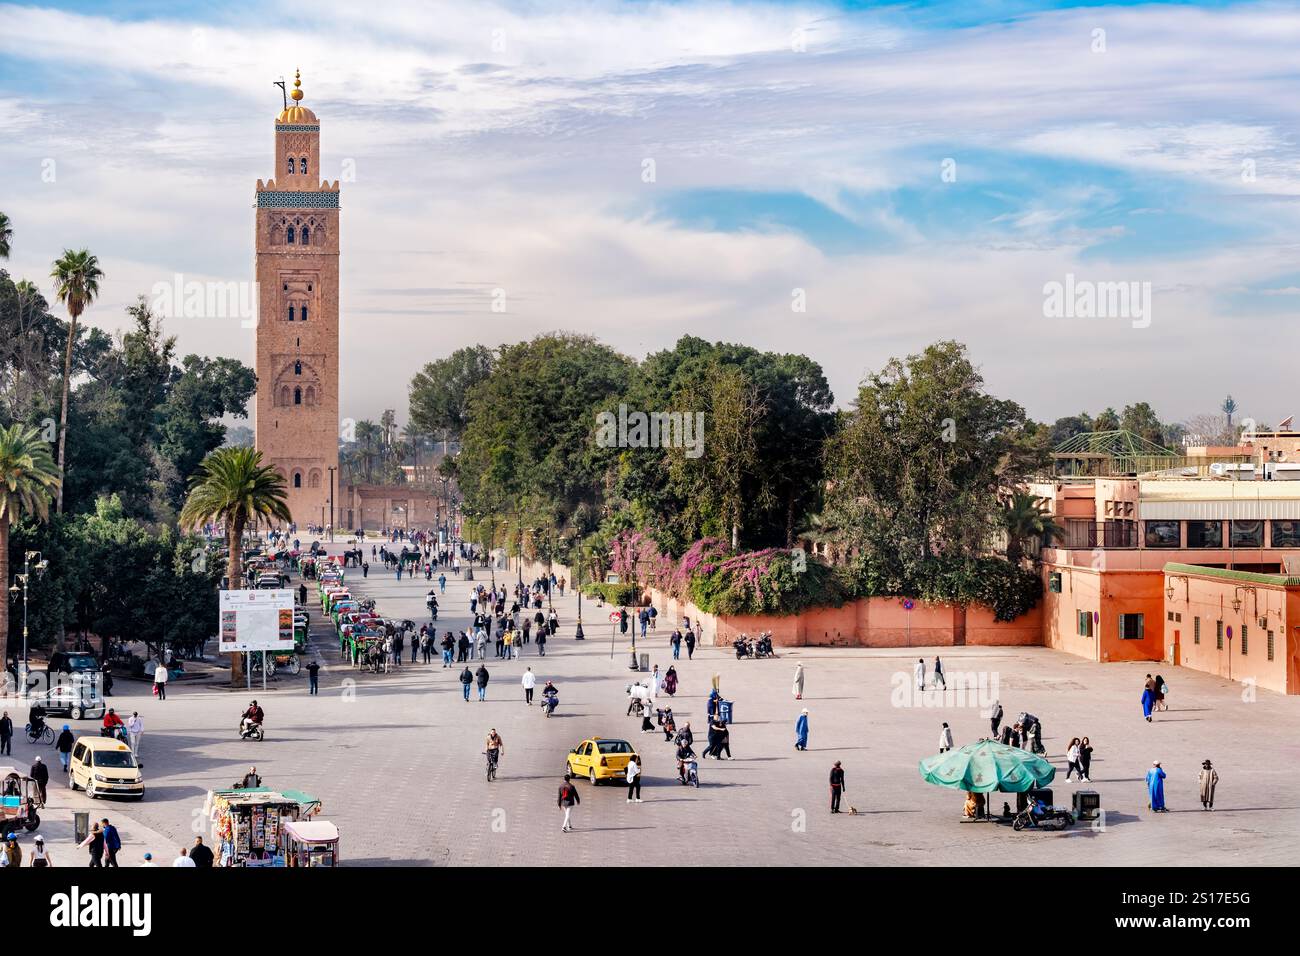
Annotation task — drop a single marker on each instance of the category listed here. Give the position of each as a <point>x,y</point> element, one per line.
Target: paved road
<point>397,758</point>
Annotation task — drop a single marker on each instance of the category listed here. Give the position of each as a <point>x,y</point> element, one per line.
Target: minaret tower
<point>297,243</point>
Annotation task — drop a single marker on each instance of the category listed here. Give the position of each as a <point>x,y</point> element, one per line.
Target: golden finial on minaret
<point>296,93</point>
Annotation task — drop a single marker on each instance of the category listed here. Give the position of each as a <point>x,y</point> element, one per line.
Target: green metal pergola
<point>1118,452</point>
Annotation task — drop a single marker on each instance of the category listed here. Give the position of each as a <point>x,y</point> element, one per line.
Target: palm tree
<point>27,294</point>
<point>6,235</point>
<point>76,278</point>
<point>1026,516</point>
<point>1228,407</point>
<point>27,474</point>
<point>233,486</point>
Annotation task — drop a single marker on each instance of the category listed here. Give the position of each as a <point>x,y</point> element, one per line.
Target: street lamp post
<point>25,579</point>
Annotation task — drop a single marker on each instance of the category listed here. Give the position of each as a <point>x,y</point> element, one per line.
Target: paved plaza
<point>397,758</point>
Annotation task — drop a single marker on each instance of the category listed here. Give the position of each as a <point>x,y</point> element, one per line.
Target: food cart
<point>311,843</point>
<point>248,825</point>
<point>20,796</point>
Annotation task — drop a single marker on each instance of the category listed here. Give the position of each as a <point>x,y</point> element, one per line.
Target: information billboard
<point>256,620</point>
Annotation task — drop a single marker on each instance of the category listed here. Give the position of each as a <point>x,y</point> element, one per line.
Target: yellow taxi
<point>105,767</point>
<point>600,758</point>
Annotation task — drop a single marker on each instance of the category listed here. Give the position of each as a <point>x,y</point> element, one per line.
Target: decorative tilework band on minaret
<point>297,265</point>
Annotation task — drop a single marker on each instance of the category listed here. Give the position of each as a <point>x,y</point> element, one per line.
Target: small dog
<point>853,811</point>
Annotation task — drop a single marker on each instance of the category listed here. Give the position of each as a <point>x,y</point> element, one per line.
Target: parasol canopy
<point>987,766</point>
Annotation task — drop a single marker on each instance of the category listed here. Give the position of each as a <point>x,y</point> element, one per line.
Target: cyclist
<point>495,747</point>
<point>36,721</point>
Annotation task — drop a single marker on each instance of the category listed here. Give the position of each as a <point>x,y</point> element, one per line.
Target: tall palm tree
<point>27,474</point>
<point>27,294</point>
<point>1025,516</point>
<point>76,278</point>
<point>6,235</point>
<point>233,486</point>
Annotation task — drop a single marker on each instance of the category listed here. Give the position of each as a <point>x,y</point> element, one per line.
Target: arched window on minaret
<point>297,368</point>
<point>297,396</point>
<point>290,165</point>
<point>311,395</point>
<point>297,479</point>
<point>289,235</point>
<point>284,395</point>
<point>302,165</point>
<point>304,313</point>
<point>306,236</point>
<point>290,313</point>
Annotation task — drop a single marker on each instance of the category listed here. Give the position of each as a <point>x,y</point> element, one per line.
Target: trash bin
<point>645,662</point>
<point>80,825</point>
<point>1087,804</point>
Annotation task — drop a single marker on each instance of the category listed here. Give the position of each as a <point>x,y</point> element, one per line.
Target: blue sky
<point>795,146</point>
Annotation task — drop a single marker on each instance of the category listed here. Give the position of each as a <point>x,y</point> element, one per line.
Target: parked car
<point>76,699</point>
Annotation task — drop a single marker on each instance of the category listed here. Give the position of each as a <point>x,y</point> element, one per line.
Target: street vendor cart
<point>311,843</point>
<point>20,796</point>
<point>248,825</point>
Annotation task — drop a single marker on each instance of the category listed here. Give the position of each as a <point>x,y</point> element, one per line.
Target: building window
<point>313,481</point>
<point>1085,623</point>
<point>290,165</point>
<point>1130,627</point>
<point>1244,635</point>
<point>1169,616</point>
<point>297,396</point>
<point>290,313</point>
<point>311,395</point>
<point>1205,534</point>
<point>297,368</point>
<point>1196,630</point>
<point>1246,534</point>
<point>1218,635</point>
<point>284,395</point>
<point>306,236</point>
<point>1270,645</point>
<point>302,165</point>
<point>1284,534</point>
<point>288,235</point>
<point>297,479</point>
<point>304,313</point>
<point>1162,534</point>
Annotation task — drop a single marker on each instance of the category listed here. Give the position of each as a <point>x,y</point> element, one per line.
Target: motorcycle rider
<point>550,698</point>
<point>113,726</point>
<point>254,715</point>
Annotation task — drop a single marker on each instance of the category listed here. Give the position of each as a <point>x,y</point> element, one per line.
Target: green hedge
<point>768,583</point>
<point>1007,589</point>
<point>621,595</point>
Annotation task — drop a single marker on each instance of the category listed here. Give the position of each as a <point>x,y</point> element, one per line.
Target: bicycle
<point>45,736</point>
<point>491,764</point>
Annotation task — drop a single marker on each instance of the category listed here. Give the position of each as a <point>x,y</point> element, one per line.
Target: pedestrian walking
<point>481,679</point>
<point>1207,780</point>
<point>568,799</point>
<point>183,860</point>
<point>1148,697</point>
<point>64,746</point>
<point>633,779</point>
<point>1072,759</point>
<point>797,689</point>
<point>1085,760</point>
<point>656,682</point>
<point>313,677</point>
<point>670,681</point>
<point>1161,692</point>
<point>40,856</point>
<point>801,731</point>
<point>442,583</point>
<point>466,679</point>
<point>41,774</point>
<point>160,677</point>
<point>676,641</point>
<point>919,671</point>
<point>13,853</point>
<point>837,786</point>
<point>201,854</point>
<point>996,717</point>
<point>112,842</point>
<point>690,644</point>
<point>541,643</point>
<point>94,842</point>
<point>6,734</point>
<point>1156,789</point>
<point>938,673</point>
<point>945,738</point>
<point>529,681</point>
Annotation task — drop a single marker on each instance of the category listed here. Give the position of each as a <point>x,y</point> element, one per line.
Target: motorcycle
<point>1049,818</point>
<point>549,703</point>
<point>743,648</point>
<point>688,772</point>
<point>250,729</point>
<point>764,646</point>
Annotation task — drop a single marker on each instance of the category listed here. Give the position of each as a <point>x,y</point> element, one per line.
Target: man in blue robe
<point>1156,788</point>
<point>801,731</point>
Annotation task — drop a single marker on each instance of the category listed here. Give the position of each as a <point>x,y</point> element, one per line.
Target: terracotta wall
<point>1210,599</point>
<point>1105,595</point>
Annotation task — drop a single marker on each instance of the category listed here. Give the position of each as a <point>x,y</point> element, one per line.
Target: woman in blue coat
<point>801,731</point>
<point>1156,788</point>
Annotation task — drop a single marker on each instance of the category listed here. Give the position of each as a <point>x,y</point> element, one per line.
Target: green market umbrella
<point>987,766</point>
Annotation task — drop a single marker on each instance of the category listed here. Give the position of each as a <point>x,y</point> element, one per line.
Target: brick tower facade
<point>297,409</point>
